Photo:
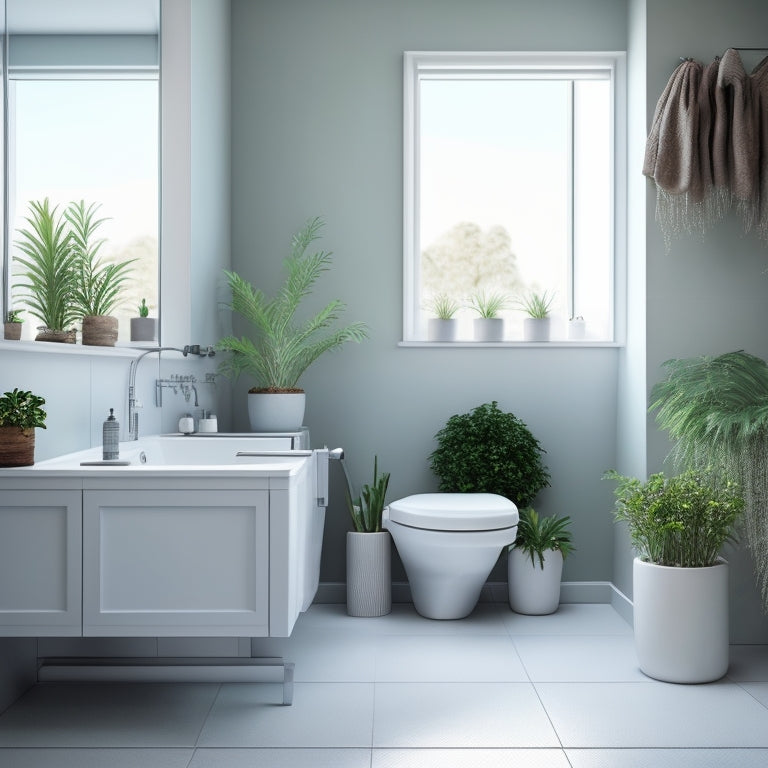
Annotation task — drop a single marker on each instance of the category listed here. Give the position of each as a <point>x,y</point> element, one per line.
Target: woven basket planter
<point>12,331</point>
<point>17,447</point>
<point>62,337</point>
<point>100,330</point>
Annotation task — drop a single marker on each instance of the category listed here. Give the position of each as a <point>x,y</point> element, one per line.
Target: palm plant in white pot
<point>535,563</point>
<point>369,569</point>
<point>678,525</point>
<point>282,348</point>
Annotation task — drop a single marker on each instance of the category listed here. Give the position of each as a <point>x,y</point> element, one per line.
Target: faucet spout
<point>133,417</point>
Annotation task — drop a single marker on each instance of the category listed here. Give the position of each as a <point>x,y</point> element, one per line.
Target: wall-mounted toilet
<point>449,542</point>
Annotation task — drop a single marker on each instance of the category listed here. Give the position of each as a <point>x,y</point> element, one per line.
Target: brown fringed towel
<point>708,146</point>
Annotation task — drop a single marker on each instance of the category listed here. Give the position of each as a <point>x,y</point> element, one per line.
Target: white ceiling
<point>83,16</point>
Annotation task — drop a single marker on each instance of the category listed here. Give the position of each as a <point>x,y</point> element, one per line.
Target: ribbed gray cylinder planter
<point>369,574</point>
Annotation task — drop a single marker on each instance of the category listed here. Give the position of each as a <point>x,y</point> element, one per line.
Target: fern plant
<point>367,509</point>
<point>48,259</point>
<point>282,348</point>
<point>716,411</point>
<point>97,283</point>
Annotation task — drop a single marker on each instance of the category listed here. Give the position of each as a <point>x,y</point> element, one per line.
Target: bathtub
<point>185,536</point>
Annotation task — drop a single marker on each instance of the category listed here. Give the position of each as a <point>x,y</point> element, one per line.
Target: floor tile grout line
<point>207,715</point>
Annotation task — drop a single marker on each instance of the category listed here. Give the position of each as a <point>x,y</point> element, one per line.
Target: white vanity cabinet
<point>40,562</point>
<point>160,551</point>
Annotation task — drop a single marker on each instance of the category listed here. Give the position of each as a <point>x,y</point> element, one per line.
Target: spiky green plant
<point>488,305</point>
<point>283,349</point>
<point>536,535</point>
<point>536,305</point>
<point>367,509</point>
<point>98,283</point>
<point>48,259</point>
<point>443,306</point>
<point>680,521</point>
<point>716,411</point>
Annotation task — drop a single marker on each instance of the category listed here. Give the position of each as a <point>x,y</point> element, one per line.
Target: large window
<point>510,174</point>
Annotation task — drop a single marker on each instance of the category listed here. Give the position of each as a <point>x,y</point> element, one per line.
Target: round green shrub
<point>489,451</point>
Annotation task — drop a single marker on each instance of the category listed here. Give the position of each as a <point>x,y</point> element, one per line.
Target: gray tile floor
<point>496,689</point>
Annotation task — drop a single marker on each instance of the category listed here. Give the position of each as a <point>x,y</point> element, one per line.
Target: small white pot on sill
<point>442,329</point>
<point>536,329</point>
<point>489,328</point>
<point>533,590</point>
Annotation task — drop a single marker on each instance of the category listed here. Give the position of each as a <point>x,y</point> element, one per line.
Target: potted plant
<point>535,563</point>
<point>369,581</point>
<point>442,327</point>
<point>536,324</point>
<point>12,325</point>
<point>20,412</point>
<point>48,280</point>
<point>678,526</point>
<point>282,349</point>
<point>143,327</point>
<point>97,285</point>
<point>488,326</point>
<point>714,410</point>
<point>489,451</point>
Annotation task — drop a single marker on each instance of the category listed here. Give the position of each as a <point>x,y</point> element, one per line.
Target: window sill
<point>554,344</point>
<point>51,347</point>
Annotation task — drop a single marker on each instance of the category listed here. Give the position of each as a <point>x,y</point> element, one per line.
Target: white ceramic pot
<point>369,573</point>
<point>681,621</point>
<point>536,329</point>
<point>442,330</point>
<point>276,411</point>
<point>533,590</point>
<point>489,328</point>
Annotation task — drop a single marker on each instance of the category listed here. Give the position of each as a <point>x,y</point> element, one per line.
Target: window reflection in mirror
<point>83,92</point>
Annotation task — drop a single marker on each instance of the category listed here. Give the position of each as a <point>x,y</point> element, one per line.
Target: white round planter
<point>681,621</point>
<point>536,329</point>
<point>489,328</point>
<point>533,590</point>
<point>369,573</point>
<point>442,330</point>
<point>276,412</point>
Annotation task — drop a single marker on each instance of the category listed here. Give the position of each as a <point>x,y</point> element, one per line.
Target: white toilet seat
<point>454,512</point>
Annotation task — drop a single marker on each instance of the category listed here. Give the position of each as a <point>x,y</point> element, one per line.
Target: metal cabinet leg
<point>288,683</point>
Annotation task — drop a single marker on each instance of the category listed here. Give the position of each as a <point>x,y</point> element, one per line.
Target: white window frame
<point>419,65</point>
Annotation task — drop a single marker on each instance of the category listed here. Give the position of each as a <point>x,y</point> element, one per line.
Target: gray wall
<point>705,296</point>
<point>317,130</point>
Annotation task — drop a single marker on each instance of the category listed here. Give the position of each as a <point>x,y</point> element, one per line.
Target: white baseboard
<point>496,592</point>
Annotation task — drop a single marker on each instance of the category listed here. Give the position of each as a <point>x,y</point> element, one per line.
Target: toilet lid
<point>454,511</point>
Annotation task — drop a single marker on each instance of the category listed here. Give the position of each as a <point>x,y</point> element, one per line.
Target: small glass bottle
<point>111,437</point>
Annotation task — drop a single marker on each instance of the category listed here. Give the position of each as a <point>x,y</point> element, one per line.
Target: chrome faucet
<point>133,417</point>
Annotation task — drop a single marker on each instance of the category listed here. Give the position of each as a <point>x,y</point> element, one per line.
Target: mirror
<point>82,86</point>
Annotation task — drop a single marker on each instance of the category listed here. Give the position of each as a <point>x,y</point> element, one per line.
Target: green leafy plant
<point>22,409</point>
<point>536,305</point>
<point>281,349</point>
<point>366,510</point>
<point>536,535</point>
<point>49,262</point>
<point>716,412</point>
<point>143,309</point>
<point>489,451</point>
<point>97,283</point>
<point>680,521</point>
<point>488,305</point>
<point>443,306</point>
<point>13,316</point>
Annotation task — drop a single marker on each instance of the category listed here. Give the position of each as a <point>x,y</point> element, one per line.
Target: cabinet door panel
<point>40,563</point>
<point>176,563</point>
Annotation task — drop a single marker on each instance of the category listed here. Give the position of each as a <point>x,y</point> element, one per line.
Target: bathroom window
<point>510,188</point>
<point>101,147</point>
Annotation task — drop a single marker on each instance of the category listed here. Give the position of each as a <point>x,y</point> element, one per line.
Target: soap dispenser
<point>111,437</point>
<point>186,424</point>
